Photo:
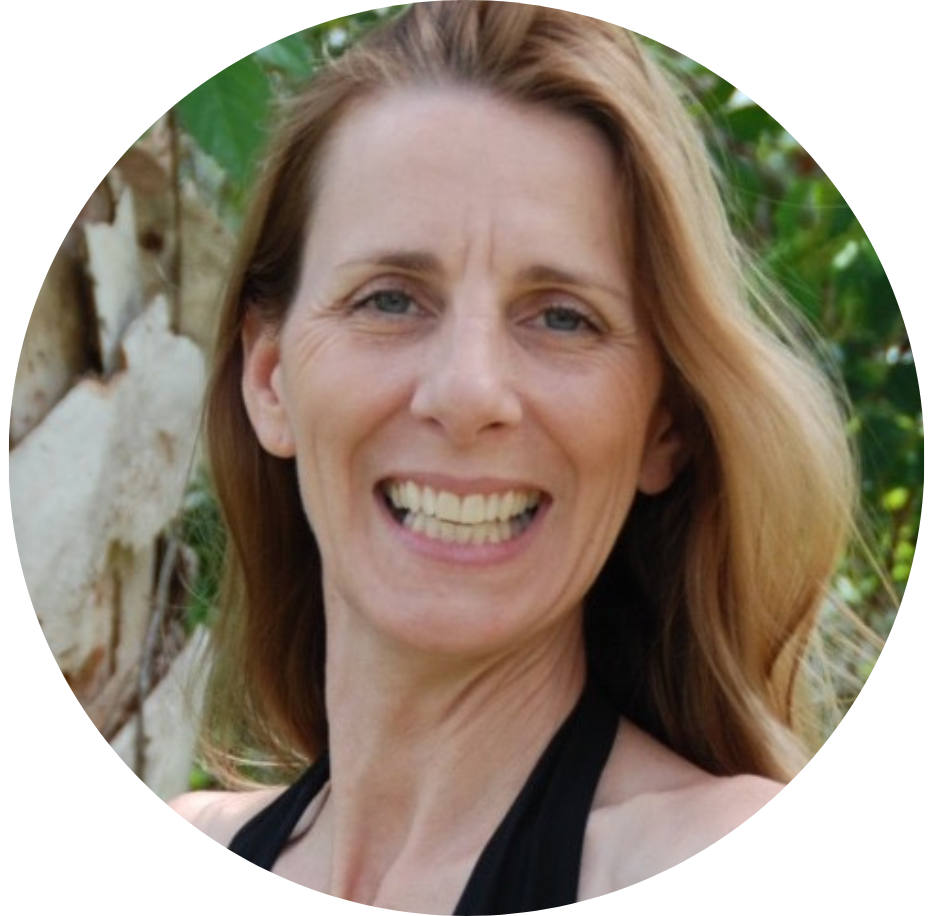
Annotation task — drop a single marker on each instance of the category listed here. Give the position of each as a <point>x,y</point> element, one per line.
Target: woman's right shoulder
<point>220,814</point>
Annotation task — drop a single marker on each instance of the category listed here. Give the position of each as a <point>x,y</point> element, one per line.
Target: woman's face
<point>469,389</point>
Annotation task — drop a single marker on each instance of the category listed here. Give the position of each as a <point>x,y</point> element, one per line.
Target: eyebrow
<point>416,262</point>
<point>424,262</point>
<point>543,274</point>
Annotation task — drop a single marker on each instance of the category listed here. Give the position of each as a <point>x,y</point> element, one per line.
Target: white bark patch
<point>105,470</point>
<point>115,267</point>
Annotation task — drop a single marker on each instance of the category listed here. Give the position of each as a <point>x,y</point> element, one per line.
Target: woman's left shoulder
<point>654,809</point>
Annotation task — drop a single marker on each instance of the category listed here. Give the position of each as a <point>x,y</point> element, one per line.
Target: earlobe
<point>261,386</point>
<point>664,454</point>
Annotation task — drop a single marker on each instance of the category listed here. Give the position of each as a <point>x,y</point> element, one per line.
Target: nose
<point>466,385</point>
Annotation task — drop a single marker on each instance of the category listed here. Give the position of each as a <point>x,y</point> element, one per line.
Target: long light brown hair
<point>699,621</point>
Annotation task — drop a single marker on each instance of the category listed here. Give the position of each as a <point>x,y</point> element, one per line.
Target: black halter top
<point>533,859</point>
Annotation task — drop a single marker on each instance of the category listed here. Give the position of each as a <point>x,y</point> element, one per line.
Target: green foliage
<point>808,238</point>
<point>202,532</point>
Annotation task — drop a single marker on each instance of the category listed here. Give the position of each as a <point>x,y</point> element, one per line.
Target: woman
<point>531,503</point>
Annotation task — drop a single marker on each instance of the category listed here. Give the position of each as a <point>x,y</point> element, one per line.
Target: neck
<point>428,753</point>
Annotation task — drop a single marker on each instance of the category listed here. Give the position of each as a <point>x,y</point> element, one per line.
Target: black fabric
<point>262,839</point>
<point>533,859</point>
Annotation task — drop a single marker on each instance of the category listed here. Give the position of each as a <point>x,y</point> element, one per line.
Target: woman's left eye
<point>566,320</point>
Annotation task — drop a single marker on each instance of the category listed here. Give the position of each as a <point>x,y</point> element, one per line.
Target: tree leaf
<point>291,55</point>
<point>227,116</point>
<point>748,123</point>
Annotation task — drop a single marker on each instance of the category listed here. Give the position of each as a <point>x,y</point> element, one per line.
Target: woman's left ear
<point>261,386</point>
<point>664,454</point>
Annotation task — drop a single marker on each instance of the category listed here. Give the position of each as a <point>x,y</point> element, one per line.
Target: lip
<point>463,554</point>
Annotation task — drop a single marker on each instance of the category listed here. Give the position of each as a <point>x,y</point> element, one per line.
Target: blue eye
<point>565,320</point>
<point>388,302</point>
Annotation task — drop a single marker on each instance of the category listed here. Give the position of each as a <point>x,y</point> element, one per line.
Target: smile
<point>475,518</point>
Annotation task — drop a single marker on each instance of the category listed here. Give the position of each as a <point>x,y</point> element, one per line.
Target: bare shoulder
<point>220,814</point>
<point>654,809</point>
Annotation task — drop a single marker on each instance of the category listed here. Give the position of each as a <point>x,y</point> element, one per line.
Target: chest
<point>441,883</point>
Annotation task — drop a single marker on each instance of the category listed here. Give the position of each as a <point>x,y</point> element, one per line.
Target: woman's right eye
<point>387,302</point>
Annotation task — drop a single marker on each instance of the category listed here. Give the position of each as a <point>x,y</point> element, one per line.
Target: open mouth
<point>475,518</point>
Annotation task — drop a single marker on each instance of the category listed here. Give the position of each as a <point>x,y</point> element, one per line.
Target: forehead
<point>460,121</point>
<point>430,156</point>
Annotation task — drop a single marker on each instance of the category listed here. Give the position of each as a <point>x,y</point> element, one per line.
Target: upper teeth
<point>472,509</point>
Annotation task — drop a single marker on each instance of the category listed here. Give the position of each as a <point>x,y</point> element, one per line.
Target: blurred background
<point>116,526</point>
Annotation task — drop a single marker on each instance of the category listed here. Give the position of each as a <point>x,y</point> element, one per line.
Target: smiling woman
<point>532,501</point>
<point>433,370</point>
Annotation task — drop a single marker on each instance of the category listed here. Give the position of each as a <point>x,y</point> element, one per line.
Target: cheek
<point>317,382</point>
<point>608,422</point>
<point>608,446</point>
<point>339,400</point>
